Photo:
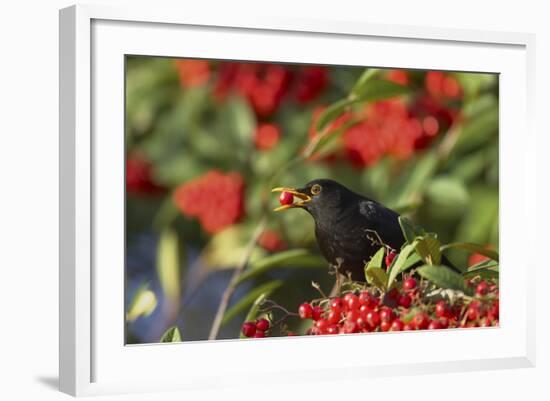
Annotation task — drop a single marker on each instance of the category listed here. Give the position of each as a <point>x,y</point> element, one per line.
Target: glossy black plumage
<point>349,226</point>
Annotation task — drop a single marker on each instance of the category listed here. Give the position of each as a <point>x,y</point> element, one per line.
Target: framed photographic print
<point>261,188</point>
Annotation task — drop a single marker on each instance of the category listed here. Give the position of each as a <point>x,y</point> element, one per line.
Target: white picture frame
<point>93,357</point>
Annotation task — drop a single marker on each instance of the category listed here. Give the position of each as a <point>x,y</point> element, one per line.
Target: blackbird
<point>349,227</point>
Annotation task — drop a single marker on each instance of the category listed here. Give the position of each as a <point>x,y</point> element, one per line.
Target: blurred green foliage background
<point>207,140</point>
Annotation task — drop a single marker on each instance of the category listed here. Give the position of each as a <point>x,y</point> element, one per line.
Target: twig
<point>226,296</point>
<point>270,305</point>
<point>318,288</point>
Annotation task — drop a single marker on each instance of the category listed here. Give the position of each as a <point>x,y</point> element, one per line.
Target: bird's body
<point>349,237</point>
<point>349,227</point>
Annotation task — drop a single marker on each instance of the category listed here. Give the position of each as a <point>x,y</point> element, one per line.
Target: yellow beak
<point>304,198</point>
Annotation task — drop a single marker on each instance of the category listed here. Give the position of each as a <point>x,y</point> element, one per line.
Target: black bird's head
<point>318,197</point>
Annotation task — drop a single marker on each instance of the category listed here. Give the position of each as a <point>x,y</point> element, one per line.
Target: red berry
<point>353,315</point>
<point>364,309</point>
<point>332,329</point>
<point>286,198</point>
<point>373,319</point>
<point>305,311</point>
<point>350,327</point>
<point>482,288</point>
<point>317,312</point>
<point>362,323</point>
<point>364,297</point>
<point>409,284</point>
<point>386,314</point>
<point>393,294</point>
<point>352,301</point>
<point>248,329</point>
<point>262,324</point>
<point>444,321</point>
<point>397,325</point>
<point>259,334</point>
<point>441,309</point>
<point>421,320</point>
<point>321,326</point>
<point>267,136</point>
<point>333,317</point>
<point>291,333</point>
<point>434,325</point>
<point>473,312</point>
<point>404,300</point>
<point>385,326</point>
<point>336,305</point>
<point>409,327</point>
<point>390,256</point>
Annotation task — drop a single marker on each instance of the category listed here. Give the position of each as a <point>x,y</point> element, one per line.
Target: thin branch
<point>226,296</point>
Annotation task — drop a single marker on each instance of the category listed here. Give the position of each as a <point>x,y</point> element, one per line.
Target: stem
<point>226,296</point>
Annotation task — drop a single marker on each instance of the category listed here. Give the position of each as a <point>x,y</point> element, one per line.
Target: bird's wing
<point>384,221</point>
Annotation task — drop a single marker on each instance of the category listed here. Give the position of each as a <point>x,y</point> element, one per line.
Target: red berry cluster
<point>139,179</point>
<point>271,241</point>
<point>400,77</point>
<point>310,83</point>
<point>387,129</point>
<point>397,127</point>
<point>441,85</point>
<point>257,329</point>
<point>264,85</point>
<point>216,199</point>
<point>266,136</point>
<point>193,72</point>
<point>405,307</point>
<point>398,310</point>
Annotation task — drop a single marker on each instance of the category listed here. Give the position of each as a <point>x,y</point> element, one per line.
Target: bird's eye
<point>315,189</point>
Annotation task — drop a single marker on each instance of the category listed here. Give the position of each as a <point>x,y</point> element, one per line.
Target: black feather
<point>349,227</point>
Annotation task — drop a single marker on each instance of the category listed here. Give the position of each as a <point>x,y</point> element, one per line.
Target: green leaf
<point>168,268</point>
<point>377,277</point>
<point>377,261</point>
<point>250,299</point>
<point>329,141</point>
<point>404,261</point>
<point>478,131</point>
<point>410,230</point>
<point>171,171</point>
<point>372,91</point>
<point>381,89</point>
<point>241,119</point>
<point>374,272</point>
<point>331,113</point>
<point>143,303</point>
<point>428,249</point>
<point>363,80</point>
<point>443,277</point>
<point>447,196</point>
<point>172,335</point>
<point>411,185</point>
<point>166,214</point>
<point>301,258</point>
<point>485,269</point>
<point>480,216</point>
<point>474,248</point>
